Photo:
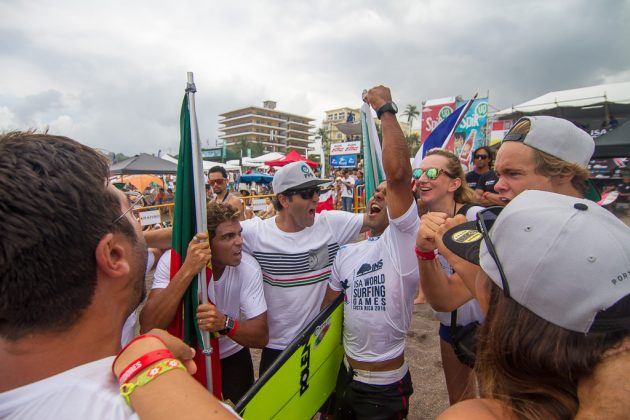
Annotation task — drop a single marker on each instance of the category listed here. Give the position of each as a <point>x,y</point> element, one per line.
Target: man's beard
<point>138,271</point>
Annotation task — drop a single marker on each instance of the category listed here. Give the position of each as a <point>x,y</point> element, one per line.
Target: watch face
<point>394,107</point>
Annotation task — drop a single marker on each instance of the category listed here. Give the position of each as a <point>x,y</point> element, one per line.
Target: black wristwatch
<point>229,324</point>
<point>387,107</point>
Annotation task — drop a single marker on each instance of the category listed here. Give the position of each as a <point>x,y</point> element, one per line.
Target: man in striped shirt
<point>295,250</point>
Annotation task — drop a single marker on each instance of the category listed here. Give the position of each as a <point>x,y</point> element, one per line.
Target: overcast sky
<point>112,74</point>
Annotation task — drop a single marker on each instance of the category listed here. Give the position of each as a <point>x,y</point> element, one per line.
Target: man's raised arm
<point>396,158</point>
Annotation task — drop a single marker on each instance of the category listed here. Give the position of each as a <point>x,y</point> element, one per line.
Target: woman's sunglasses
<point>305,193</point>
<point>431,173</point>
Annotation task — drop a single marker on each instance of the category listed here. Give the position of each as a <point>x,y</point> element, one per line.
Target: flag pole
<point>201,212</point>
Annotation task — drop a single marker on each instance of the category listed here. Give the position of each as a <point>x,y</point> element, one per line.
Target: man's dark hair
<point>218,213</point>
<point>488,151</point>
<point>218,168</point>
<point>54,210</point>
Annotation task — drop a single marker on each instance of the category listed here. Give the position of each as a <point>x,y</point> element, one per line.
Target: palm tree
<point>322,135</point>
<point>412,113</point>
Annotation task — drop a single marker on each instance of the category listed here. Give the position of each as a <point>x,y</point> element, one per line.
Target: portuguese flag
<point>185,227</point>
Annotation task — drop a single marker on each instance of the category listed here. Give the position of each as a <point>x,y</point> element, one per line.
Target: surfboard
<point>608,198</point>
<point>300,380</point>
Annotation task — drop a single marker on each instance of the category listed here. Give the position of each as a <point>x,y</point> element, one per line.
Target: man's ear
<point>111,256</point>
<point>284,200</point>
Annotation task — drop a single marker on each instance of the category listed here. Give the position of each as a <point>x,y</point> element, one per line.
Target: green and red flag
<point>185,227</point>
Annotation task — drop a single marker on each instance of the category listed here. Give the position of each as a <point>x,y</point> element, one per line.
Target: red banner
<point>433,112</point>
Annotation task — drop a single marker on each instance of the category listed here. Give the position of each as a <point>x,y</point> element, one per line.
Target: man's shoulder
<point>337,215</point>
<point>248,263</point>
<point>86,391</point>
<point>352,249</point>
<point>472,175</point>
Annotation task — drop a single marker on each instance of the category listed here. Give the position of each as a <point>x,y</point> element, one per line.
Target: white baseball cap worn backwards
<point>565,259</point>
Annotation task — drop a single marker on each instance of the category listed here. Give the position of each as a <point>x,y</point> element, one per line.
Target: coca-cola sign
<point>346,148</point>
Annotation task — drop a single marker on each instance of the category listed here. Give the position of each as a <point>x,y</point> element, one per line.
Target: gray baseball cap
<point>565,259</point>
<point>558,137</point>
<point>295,176</point>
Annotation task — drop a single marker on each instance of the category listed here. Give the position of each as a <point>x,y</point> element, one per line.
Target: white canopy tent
<point>587,102</point>
<point>206,164</point>
<point>268,156</point>
<point>245,161</point>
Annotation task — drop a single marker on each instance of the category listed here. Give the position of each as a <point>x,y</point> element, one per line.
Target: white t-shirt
<point>296,267</point>
<point>346,191</point>
<point>238,291</point>
<point>380,277</point>
<point>89,391</point>
<point>469,311</point>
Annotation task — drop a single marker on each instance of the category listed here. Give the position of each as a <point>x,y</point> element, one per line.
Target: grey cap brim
<point>308,184</point>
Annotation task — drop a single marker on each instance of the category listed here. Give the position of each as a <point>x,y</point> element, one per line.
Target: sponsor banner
<point>343,161</point>
<point>471,132</point>
<point>345,148</point>
<point>150,217</point>
<point>212,153</point>
<point>433,112</point>
<point>258,204</point>
<point>499,130</point>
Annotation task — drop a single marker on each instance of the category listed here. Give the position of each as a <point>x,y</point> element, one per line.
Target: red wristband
<point>425,255</point>
<point>140,337</point>
<point>231,333</point>
<point>142,363</point>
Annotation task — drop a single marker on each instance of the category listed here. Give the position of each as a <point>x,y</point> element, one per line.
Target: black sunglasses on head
<point>485,220</point>
<point>305,193</point>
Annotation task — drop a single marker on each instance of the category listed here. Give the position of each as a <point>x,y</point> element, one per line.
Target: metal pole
<point>200,207</point>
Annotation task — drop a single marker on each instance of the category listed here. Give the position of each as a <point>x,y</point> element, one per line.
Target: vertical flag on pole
<point>185,227</point>
<point>373,172</point>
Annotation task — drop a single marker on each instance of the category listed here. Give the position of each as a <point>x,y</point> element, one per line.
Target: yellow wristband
<point>148,375</point>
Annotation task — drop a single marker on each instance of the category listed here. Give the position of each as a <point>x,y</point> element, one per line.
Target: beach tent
<point>143,164</point>
<point>257,177</point>
<point>292,156</point>
<point>207,164</point>
<point>267,156</point>
<point>587,103</point>
<point>615,143</point>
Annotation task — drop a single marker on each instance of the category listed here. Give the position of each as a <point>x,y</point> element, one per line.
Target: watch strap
<point>229,324</point>
<point>387,107</point>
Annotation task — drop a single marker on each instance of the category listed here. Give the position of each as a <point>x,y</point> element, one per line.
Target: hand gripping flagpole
<point>200,211</point>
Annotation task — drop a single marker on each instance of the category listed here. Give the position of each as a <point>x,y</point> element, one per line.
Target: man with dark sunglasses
<point>482,158</point>
<point>295,250</point>
<point>218,182</point>
<point>483,178</point>
<point>379,278</point>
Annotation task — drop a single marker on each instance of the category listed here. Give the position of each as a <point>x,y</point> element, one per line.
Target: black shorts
<point>237,375</point>
<point>267,357</point>
<point>357,400</point>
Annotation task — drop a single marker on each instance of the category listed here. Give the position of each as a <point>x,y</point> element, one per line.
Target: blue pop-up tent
<point>257,177</point>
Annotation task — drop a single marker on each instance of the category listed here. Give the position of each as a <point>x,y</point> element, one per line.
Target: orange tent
<point>142,181</point>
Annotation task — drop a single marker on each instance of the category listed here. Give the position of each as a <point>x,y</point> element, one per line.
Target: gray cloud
<point>113,74</point>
